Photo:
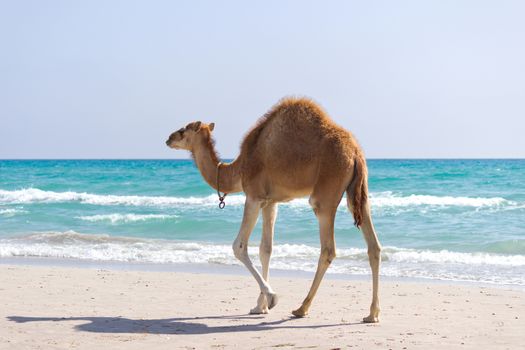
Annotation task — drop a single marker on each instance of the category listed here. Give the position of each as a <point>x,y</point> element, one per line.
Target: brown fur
<point>295,112</point>
<point>357,191</point>
<point>294,150</point>
<point>209,144</point>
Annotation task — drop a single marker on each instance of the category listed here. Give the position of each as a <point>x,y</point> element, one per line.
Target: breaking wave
<point>388,199</point>
<point>11,212</point>
<point>379,200</point>
<point>397,262</point>
<point>118,218</point>
<point>35,195</point>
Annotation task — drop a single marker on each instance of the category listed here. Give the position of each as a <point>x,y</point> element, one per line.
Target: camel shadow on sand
<point>173,325</point>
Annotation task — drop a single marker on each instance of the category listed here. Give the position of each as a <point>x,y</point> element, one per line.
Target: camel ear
<point>211,126</point>
<point>196,126</point>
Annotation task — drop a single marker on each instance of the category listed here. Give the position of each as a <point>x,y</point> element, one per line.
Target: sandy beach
<point>81,308</point>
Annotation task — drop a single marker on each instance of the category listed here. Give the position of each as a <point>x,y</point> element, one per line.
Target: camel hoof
<point>299,313</point>
<point>272,300</point>
<point>371,319</point>
<point>259,311</point>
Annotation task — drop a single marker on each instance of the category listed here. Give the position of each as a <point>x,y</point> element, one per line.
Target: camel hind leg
<point>374,257</point>
<point>325,215</point>
<point>357,200</point>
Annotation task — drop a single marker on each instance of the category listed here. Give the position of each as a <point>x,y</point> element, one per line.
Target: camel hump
<point>296,120</point>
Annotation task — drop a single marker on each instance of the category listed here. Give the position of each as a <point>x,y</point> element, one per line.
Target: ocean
<point>453,220</point>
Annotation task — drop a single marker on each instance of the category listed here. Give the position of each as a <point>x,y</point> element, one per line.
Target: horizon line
<point>368,158</point>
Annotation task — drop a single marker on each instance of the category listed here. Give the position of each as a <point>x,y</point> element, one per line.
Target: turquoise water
<point>438,219</point>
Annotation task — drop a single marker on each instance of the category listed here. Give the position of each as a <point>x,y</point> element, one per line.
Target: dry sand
<point>78,308</point>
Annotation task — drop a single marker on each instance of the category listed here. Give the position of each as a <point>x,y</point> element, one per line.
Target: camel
<point>294,150</point>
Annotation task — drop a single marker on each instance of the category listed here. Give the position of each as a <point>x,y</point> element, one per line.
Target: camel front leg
<point>240,248</point>
<point>326,228</point>
<point>269,214</point>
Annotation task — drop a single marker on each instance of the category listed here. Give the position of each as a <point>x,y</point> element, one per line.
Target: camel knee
<point>328,254</point>
<point>240,250</point>
<point>265,248</point>
<point>374,253</point>
<point>265,251</point>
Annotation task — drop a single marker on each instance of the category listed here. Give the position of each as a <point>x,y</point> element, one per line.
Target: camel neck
<point>207,162</point>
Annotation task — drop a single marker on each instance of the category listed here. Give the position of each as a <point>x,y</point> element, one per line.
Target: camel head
<point>186,138</point>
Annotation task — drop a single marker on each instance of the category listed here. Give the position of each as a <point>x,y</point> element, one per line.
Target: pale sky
<point>112,79</point>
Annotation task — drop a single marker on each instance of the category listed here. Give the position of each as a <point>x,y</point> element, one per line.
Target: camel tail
<point>357,190</point>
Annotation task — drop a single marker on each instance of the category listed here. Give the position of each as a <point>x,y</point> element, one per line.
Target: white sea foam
<point>35,195</point>
<point>75,245</point>
<point>379,200</point>
<point>11,212</point>
<point>388,199</point>
<point>448,257</point>
<point>7,211</point>
<point>398,262</point>
<point>118,218</point>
